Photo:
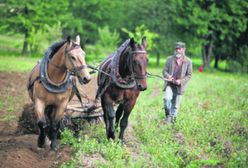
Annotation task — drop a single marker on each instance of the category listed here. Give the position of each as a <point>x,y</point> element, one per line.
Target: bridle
<point>74,71</point>
<point>133,74</point>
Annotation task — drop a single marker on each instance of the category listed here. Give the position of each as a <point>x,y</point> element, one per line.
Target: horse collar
<point>48,84</point>
<point>117,79</point>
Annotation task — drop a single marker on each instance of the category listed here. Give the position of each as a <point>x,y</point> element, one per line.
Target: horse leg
<point>54,129</point>
<point>41,121</point>
<point>55,125</point>
<point>109,115</point>
<point>119,113</point>
<point>50,114</point>
<point>123,124</point>
<point>124,121</point>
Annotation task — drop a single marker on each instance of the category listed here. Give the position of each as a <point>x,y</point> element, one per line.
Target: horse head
<point>75,60</point>
<point>139,61</point>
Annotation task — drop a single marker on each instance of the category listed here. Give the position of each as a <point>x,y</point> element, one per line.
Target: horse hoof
<point>111,135</point>
<point>42,124</point>
<point>54,149</point>
<point>41,142</point>
<point>122,142</point>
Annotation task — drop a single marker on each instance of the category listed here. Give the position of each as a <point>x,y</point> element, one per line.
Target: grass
<point>211,114</point>
<point>11,45</point>
<point>211,129</point>
<point>19,64</point>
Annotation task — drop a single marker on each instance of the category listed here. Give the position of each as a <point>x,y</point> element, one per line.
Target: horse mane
<point>54,48</point>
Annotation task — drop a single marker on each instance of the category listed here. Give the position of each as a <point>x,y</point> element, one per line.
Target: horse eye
<point>73,58</point>
<point>147,60</point>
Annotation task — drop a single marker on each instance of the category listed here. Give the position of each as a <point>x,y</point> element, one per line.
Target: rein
<point>97,69</point>
<point>156,76</point>
<point>148,75</point>
<point>133,77</point>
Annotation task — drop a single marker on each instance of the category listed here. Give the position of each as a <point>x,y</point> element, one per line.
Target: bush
<point>141,31</point>
<point>240,63</point>
<point>40,40</point>
<point>105,45</point>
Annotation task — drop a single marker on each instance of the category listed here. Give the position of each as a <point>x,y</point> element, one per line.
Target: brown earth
<point>18,149</point>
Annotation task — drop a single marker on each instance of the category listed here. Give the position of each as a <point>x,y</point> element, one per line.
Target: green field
<point>211,130</point>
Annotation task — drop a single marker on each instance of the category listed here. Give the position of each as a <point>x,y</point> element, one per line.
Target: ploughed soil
<point>17,148</point>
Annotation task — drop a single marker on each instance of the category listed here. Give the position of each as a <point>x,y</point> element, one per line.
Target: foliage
<point>105,45</point>
<point>41,39</point>
<point>106,13</point>
<point>140,32</point>
<point>32,18</point>
<point>213,23</point>
<point>239,64</point>
<point>210,28</point>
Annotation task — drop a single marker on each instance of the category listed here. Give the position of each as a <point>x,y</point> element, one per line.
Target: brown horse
<point>51,84</point>
<point>121,78</point>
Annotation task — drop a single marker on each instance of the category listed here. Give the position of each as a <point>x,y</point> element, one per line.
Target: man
<point>177,72</point>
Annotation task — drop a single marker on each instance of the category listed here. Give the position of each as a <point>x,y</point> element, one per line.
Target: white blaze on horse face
<point>79,61</point>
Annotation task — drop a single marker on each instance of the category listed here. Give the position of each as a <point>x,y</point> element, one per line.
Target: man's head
<point>180,49</point>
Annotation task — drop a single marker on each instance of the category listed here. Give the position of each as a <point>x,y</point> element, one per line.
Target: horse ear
<point>69,42</point>
<point>132,42</point>
<point>78,39</point>
<point>68,39</point>
<point>143,42</point>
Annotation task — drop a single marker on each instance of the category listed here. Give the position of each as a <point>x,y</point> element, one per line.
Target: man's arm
<point>166,70</point>
<point>188,75</point>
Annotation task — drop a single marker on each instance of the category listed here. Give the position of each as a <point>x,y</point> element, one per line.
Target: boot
<point>173,120</point>
<point>166,120</point>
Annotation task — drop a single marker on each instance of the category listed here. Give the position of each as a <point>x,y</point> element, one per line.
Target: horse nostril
<point>86,80</point>
<point>141,88</point>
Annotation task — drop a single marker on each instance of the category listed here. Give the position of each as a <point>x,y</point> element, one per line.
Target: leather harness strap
<point>47,83</point>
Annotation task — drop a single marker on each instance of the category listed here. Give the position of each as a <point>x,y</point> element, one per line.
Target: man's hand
<point>178,82</point>
<point>170,78</point>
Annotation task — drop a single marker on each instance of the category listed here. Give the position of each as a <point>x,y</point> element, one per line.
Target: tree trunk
<point>216,61</point>
<point>25,44</point>
<point>158,59</point>
<point>207,52</point>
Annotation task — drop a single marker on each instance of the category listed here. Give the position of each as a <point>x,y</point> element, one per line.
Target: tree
<point>95,14</point>
<point>29,17</point>
<point>140,32</point>
<point>212,22</point>
<point>105,45</point>
<point>154,16</point>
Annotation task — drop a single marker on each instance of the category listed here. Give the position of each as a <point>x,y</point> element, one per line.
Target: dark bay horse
<point>51,84</point>
<point>121,78</point>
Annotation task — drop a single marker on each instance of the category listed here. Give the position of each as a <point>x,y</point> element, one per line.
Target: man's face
<point>180,52</point>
